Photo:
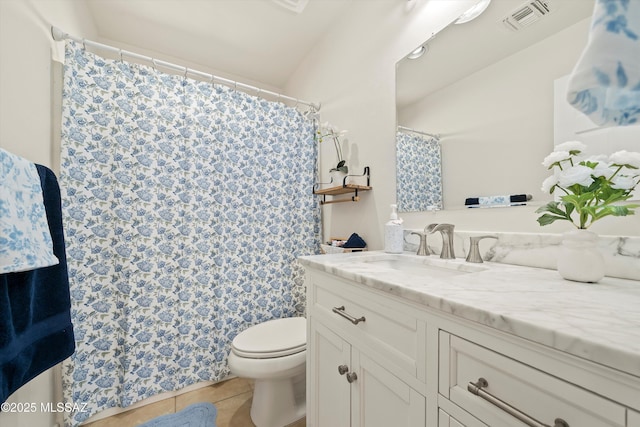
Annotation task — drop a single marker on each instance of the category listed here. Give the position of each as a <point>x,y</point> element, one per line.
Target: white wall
<point>26,71</point>
<point>352,72</point>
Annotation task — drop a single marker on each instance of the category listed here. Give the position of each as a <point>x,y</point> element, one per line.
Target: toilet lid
<point>273,338</point>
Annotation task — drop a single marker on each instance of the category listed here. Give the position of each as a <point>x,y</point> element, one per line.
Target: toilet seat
<point>271,339</point>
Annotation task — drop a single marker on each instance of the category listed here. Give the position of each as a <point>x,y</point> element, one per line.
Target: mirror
<point>487,88</point>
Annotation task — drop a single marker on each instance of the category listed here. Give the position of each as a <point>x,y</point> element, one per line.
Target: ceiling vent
<point>530,12</point>
<point>296,6</point>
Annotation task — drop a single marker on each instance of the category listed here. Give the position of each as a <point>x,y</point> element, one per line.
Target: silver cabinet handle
<point>351,376</point>
<point>350,318</point>
<point>477,389</point>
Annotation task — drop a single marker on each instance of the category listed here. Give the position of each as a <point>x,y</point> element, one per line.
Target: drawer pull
<point>477,389</point>
<point>350,318</point>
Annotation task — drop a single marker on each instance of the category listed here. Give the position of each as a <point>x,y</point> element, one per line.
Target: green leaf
<point>547,219</point>
<point>615,211</point>
<point>552,207</point>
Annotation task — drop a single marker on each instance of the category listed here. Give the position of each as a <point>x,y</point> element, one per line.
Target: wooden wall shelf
<point>344,189</point>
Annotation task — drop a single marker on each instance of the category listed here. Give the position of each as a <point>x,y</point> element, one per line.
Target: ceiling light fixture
<point>417,53</point>
<point>473,12</point>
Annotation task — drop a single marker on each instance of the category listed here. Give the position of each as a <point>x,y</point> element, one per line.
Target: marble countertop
<point>598,322</point>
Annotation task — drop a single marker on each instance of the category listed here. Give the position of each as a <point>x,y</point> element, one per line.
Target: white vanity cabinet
<point>363,357</point>
<point>415,365</point>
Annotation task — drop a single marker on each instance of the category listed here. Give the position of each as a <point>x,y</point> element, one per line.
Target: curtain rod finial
<point>57,34</point>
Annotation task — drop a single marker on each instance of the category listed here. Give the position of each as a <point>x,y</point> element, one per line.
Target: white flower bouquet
<point>327,130</point>
<point>592,187</point>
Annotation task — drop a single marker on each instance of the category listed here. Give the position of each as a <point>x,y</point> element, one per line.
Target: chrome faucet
<point>446,230</point>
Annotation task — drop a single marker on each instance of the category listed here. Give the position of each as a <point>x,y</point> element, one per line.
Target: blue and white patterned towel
<point>605,84</point>
<point>25,239</point>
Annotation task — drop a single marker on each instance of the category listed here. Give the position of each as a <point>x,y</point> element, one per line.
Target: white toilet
<point>274,354</point>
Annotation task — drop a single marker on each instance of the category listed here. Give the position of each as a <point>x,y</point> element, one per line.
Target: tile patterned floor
<point>231,397</point>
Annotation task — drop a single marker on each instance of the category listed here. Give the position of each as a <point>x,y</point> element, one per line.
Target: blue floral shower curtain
<point>185,205</point>
<point>419,177</point>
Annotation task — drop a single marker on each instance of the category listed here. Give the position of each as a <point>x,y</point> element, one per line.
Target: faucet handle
<point>429,228</point>
<point>447,228</point>
<point>474,249</point>
<point>423,249</point>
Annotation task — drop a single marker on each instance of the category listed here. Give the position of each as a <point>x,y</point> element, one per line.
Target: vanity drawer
<point>388,326</point>
<point>507,389</point>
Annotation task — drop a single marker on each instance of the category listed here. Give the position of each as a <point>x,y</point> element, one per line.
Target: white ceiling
<point>257,40</point>
<point>460,50</point>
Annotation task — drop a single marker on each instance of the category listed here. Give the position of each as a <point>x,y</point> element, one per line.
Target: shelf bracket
<point>354,198</point>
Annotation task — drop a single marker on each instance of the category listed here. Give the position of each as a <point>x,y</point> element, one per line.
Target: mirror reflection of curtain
<point>185,207</point>
<point>418,172</point>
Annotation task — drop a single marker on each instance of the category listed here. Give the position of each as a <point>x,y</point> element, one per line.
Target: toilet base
<point>278,402</point>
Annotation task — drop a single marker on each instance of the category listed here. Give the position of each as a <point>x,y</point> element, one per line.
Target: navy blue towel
<point>35,319</point>
<point>355,241</point>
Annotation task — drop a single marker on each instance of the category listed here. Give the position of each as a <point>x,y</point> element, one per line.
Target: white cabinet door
<point>633,418</point>
<point>328,392</point>
<point>346,388</point>
<point>380,399</point>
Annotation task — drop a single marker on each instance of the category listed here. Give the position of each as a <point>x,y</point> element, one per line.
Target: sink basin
<point>427,267</point>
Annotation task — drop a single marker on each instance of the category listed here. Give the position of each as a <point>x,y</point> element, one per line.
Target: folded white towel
<point>605,83</point>
<point>25,239</point>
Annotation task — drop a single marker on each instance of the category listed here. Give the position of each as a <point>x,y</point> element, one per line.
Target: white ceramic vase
<point>337,178</point>
<point>579,258</point>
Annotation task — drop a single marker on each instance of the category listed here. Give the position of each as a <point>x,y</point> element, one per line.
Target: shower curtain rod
<point>59,35</point>
<point>436,136</point>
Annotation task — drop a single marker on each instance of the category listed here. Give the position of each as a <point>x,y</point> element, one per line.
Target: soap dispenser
<point>393,233</point>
